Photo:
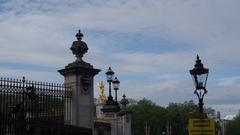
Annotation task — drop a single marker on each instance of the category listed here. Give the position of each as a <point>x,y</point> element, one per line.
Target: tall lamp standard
<point>199,75</point>
<point>111,105</point>
<point>110,75</point>
<point>116,83</point>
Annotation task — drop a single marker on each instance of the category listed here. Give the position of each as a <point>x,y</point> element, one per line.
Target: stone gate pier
<point>79,76</point>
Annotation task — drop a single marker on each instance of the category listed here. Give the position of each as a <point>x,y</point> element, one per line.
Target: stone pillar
<point>114,126</point>
<point>127,124</point>
<point>79,77</point>
<point>125,117</point>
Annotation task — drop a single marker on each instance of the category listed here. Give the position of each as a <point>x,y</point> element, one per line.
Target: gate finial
<point>79,35</point>
<point>79,48</point>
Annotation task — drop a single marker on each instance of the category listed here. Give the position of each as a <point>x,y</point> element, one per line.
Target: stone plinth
<point>79,77</point>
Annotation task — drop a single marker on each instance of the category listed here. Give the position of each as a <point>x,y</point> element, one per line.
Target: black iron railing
<point>31,107</point>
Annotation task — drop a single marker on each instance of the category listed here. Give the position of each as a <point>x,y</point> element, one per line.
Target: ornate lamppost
<point>199,75</point>
<point>116,83</point>
<point>111,105</point>
<point>110,75</point>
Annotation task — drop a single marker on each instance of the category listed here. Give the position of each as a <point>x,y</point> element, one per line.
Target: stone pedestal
<point>80,81</point>
<point>79,78</point>
<point>99,106</point>
<point>127,124</point>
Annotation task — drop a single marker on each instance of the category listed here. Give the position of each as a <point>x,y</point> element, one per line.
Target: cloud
<point>150,63</point>
<point>40,33</point>
<point>199,23</point>
<point>229,81</point>
<point>31,75</point>
<point>223,95</point>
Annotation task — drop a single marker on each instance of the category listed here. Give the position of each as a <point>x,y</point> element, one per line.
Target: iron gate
<point>35,108</point>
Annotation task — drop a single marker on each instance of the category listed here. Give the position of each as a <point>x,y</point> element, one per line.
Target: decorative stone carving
<point>79,48</point>
<point>86,85</point>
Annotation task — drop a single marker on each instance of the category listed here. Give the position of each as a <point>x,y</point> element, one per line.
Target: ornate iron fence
<point>35,108</point>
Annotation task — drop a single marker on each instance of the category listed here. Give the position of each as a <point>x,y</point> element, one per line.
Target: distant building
<point>218,116</point>
<point>223,123</point>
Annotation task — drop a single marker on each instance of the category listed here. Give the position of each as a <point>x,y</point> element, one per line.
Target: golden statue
<point>102,95</point>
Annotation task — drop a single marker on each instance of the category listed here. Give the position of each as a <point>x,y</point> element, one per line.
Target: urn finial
<point>79,48</point>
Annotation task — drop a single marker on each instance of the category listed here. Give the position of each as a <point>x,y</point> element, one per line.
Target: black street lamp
<point>110,75</point>
<point>111,105</point>
<point>116,83</point>
<point>199,75</point>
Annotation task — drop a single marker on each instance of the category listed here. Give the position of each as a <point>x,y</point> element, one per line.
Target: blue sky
<point>151,45</point>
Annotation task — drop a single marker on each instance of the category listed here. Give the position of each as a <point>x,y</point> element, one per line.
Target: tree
<point>233,127</point>
<point>145,112</point>
<point>178,115</point>
<point>175,116</point>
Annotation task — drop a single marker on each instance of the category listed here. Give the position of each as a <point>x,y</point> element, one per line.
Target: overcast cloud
<point>151,44</point>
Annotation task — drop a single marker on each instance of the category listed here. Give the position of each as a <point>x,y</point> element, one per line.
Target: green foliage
<point>175,115</point>
<point>131,101</point>
<point>210,112</point>
<point>147,112</point>
<point>233,127</point>
<point>178,115</point>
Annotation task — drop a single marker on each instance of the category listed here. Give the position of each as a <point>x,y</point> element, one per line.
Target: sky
<point>150,45</point>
